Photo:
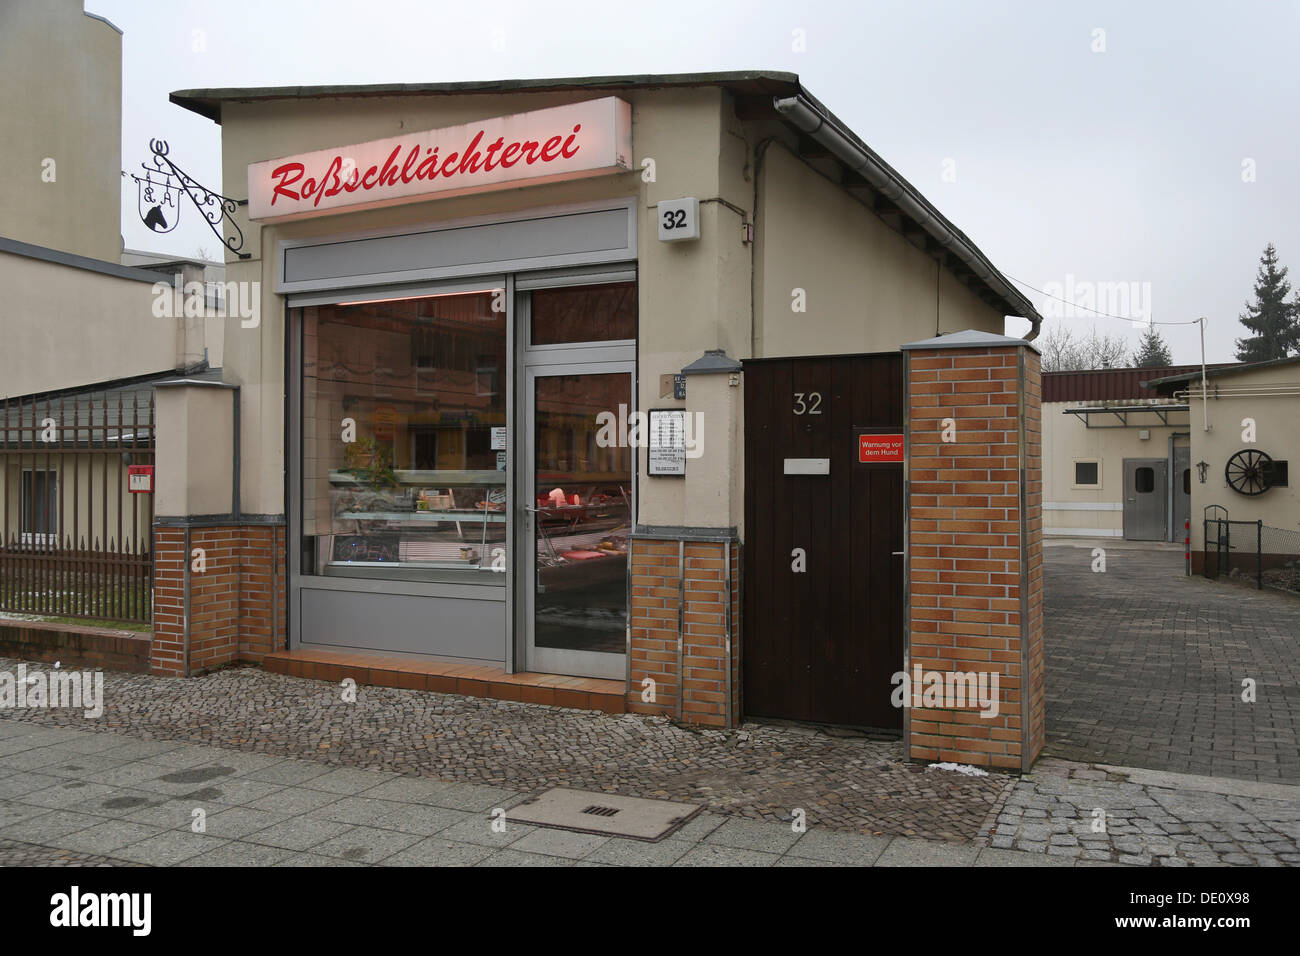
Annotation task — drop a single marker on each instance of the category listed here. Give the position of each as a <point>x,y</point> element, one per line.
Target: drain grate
<point>606,814</point>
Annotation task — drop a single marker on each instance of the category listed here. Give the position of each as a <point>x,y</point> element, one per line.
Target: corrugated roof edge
<point>1214,371</point>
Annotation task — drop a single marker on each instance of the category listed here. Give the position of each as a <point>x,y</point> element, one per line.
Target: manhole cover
<point>604,813</point>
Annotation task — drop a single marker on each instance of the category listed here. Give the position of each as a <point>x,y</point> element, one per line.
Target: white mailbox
<point>679,219</point>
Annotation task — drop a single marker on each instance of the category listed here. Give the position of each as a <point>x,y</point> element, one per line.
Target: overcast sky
<point>1081,146</point>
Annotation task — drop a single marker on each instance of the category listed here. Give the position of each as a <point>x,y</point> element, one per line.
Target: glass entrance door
<point>580,518</point>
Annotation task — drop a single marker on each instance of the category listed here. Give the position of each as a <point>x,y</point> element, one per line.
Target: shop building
<point>495,430</point>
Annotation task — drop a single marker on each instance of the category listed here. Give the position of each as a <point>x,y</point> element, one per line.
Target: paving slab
<point>1144,667</point>
<point>366,844</point>
<point>169,848</point>
<point>345,781</point>
<point>421,820</point>
<point>477,828</point>
<point>236,823</point>
<point>298,833</point>
<point>439,852</point>
<point>575,846</point>
<point>104,837</point>
<point>234,853</point>
<point>512,858</point>
<point>619,852</point>
<point>829,846</point>
<point>719,855</point>
<point>753,835</point>
<point>423,790</point>
<point>906,852</point>
<point>49,827</point>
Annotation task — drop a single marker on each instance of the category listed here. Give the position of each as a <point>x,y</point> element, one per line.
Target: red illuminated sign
<point>878,448</point>
<point>549,145</point>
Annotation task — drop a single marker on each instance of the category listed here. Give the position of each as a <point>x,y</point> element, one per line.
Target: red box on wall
<point>139,479</point>
<point>877,448</point>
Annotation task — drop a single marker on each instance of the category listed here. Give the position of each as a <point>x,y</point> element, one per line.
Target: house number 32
<point>813,406</point>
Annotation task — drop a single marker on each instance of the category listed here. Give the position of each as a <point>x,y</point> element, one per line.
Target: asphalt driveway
<point>1145,666</point>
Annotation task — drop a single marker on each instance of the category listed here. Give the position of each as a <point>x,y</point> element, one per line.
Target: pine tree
<point>1152,352</point>
<point>1274,321</point>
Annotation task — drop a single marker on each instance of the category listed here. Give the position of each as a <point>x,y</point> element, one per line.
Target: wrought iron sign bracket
<point>158,194</point>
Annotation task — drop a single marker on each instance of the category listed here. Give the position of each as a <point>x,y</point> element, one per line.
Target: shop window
<point>1144,480</point>
<point>416,384</point>
<point>586,313</point>
<point>1086,472</point>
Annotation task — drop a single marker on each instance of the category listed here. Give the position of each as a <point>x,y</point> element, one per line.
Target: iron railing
<point>1250,547</point>
<point>74,541</point>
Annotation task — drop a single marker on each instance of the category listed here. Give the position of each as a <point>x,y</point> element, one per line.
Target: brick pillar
<point>974,546</point>
<point>684,611</point>
<point>168,653</point>
<point>236,595</point>
<point>232,593</point>
<point>262,585</point>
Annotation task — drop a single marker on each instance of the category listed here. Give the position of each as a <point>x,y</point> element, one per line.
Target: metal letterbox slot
<point>807,466</point>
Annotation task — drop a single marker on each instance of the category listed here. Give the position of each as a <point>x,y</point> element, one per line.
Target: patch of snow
<point>967,769</point>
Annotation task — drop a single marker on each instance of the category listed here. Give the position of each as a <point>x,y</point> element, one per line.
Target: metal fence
<point>74,541</point>
<point>1248,547</point>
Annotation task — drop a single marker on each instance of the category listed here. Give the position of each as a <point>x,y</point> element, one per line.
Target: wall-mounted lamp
<point>1202,469</point>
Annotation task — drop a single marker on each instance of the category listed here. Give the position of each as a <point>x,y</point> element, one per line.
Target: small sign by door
<point>878,448</point>
<point>667,453</point>
<point>139,479</point>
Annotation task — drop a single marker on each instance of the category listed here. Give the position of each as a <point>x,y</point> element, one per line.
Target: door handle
<point>896,552</point>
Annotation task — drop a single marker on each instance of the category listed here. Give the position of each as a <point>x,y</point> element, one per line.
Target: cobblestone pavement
<point>761,772</point>
<point>13,853</point>
<point>1145,667</point>
<point>91,796</point>
<point>1075,812</point>
<point>96,798</point>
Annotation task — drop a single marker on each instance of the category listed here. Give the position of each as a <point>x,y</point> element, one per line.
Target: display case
<point>417,519</point>
<point>582,535</point>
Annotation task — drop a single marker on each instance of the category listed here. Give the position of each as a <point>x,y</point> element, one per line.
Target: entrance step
<point>469,680</point>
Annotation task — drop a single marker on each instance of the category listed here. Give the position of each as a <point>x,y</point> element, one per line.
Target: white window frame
<point>1074,471</point>
<point>38,538</point>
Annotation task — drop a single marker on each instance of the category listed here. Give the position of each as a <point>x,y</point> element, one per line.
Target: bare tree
<point>1064,350</point>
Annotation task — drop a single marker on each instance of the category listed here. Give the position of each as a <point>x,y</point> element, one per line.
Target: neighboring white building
<point>1114,455</point>
<point>1243,439</point>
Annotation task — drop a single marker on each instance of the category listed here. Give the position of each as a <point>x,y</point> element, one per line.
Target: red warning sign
<point>877,448</point>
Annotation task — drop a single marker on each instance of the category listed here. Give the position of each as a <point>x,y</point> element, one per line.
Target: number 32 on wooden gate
<point>812,406</point>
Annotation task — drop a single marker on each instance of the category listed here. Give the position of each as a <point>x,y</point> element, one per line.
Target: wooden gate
<point>823,563</point>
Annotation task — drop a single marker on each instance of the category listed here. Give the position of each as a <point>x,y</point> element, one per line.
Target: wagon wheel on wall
<point>1247,472</point>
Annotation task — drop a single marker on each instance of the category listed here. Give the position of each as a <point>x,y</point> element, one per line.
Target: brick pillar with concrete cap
<point>219,572</point>
<point>974,577</point>
<point>685,587</point>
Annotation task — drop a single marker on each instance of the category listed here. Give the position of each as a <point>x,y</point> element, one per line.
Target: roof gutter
<point>826,130</point>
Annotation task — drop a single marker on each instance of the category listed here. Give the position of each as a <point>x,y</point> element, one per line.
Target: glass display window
<point>404,436</point>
